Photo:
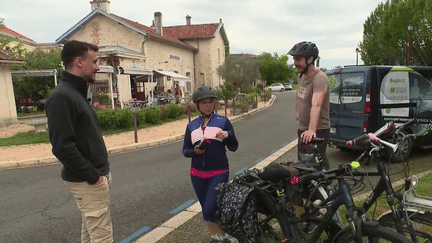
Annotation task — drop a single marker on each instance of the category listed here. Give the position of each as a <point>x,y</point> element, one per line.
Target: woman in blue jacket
<point>209,162</point>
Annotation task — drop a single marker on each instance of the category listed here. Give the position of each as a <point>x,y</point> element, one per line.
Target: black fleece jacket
<point>75,131</point>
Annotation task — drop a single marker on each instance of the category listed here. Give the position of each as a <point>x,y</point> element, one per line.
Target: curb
<point>181,218</point>
<point>9,165</point>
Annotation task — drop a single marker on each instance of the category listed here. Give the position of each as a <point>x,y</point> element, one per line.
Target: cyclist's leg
<point>322,147</point>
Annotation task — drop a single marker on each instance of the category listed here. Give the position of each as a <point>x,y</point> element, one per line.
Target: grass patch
<point>43,137</point>
<point>31,113</point>
<point>381,205</point>
<point>25,138</point>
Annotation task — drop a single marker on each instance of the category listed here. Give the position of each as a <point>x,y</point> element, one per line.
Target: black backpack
<point>237,207</point>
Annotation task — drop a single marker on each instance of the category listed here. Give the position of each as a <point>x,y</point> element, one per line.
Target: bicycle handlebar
<point>326,174</point>
<point>365,139</point>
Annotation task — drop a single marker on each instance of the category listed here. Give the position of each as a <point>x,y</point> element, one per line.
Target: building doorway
<point>138,87</point>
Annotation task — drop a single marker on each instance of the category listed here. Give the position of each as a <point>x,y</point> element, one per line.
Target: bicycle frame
<point>342,196</point>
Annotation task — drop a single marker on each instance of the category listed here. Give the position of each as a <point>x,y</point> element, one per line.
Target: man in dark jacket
<point>77,142</point>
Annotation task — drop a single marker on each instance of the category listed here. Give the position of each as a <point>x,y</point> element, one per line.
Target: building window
<point>188,74</point>
<point>219,57</point>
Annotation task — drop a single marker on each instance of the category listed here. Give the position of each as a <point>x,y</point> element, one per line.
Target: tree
<point>385,34</point>
<point>226,92</point>
<point>275,68</point>
<point>37,87</point>
<point>241,70</point>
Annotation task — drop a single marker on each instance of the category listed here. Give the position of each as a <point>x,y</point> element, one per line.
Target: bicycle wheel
<point>306,230</point>
<point>321,194</point>
<point>422,224</point>
<point>272,223</point>
<point>372,232</point>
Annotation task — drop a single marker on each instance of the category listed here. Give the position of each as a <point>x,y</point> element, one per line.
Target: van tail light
<point>368,106</point>
<point>368,102</point>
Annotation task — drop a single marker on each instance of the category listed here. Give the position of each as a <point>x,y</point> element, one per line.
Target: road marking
<point>182,207</point>
<point>136,235</point>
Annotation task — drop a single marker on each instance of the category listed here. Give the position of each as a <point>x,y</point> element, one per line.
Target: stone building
<point>134,57</point>
<point>8,114</point>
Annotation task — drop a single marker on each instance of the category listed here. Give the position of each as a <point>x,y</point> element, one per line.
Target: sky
<point>252,26</point>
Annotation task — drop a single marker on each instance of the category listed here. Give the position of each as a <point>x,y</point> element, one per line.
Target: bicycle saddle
<point>276,172</point>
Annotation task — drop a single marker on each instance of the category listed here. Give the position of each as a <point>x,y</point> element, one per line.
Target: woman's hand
<point>222,135</point>
<point>198,151</point>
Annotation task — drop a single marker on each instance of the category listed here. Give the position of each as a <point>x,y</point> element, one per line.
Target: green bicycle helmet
<point>203,92</point>
<point>304,49</point>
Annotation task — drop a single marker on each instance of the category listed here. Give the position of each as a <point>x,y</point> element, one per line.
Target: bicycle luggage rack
<point>412,200</point>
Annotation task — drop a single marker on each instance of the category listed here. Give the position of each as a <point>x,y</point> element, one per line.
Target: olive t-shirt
<point>306,88</point>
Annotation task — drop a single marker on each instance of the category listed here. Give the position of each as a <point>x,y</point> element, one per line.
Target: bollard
<point>135,126</point>
<point>189,112</point>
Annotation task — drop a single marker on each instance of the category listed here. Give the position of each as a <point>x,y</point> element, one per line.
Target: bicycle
<point>278,222</point>
<point>410,214</point>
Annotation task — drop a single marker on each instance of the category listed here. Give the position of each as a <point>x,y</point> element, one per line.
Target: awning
<point>174,75</point>
<point>34,73</point>
<point>137,71</point>
<point>106,69</point>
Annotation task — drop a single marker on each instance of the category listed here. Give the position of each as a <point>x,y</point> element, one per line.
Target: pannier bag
<point>237,206</point>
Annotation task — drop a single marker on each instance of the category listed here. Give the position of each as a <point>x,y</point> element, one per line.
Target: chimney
<point>220,20</point>
<point>158,23</point>
<point>103,5</point>
<point>188,20</point>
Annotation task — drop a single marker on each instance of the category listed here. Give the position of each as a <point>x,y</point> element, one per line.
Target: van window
<point>352,88</point>
<point>403,86</point>
<point>334,88</point>
<point>421,94</point>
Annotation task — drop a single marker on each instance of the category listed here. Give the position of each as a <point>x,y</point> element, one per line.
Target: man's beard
<point>90,79</point>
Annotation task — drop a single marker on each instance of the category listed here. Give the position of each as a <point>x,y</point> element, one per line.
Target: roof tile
<point>14,33</point>
<point>5,56</point>
<point>191,31</point>
<point>152,31</point>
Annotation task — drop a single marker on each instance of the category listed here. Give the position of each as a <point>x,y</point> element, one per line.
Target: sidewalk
<point>22,156</point>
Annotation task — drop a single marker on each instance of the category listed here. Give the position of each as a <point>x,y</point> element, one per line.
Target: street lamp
<point>357,52</point>
<point>410,28</point>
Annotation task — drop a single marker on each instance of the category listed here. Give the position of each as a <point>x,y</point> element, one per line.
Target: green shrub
<point>164,112</point>
<point>268,94</point>
<point>103,98</point>
<point>174,110</point>
<point>244,107</point>
<point>152,115</point>
<point>192,107</point>
<point>141,113</point>
<point>107,119</point>
<point>123,118</point>
<point>183,109</point>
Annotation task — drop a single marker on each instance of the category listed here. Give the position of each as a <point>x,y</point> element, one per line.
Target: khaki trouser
<point>94,203</point>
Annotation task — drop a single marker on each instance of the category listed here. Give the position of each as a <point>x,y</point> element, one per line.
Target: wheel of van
<point>403,150</point>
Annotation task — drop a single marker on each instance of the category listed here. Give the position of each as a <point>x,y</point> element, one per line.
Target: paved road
<point>148,185</point>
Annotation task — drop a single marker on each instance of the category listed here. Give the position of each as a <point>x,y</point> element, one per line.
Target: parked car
<point>287,86</point>
<point>364,98</point>
<point>276,87</point>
